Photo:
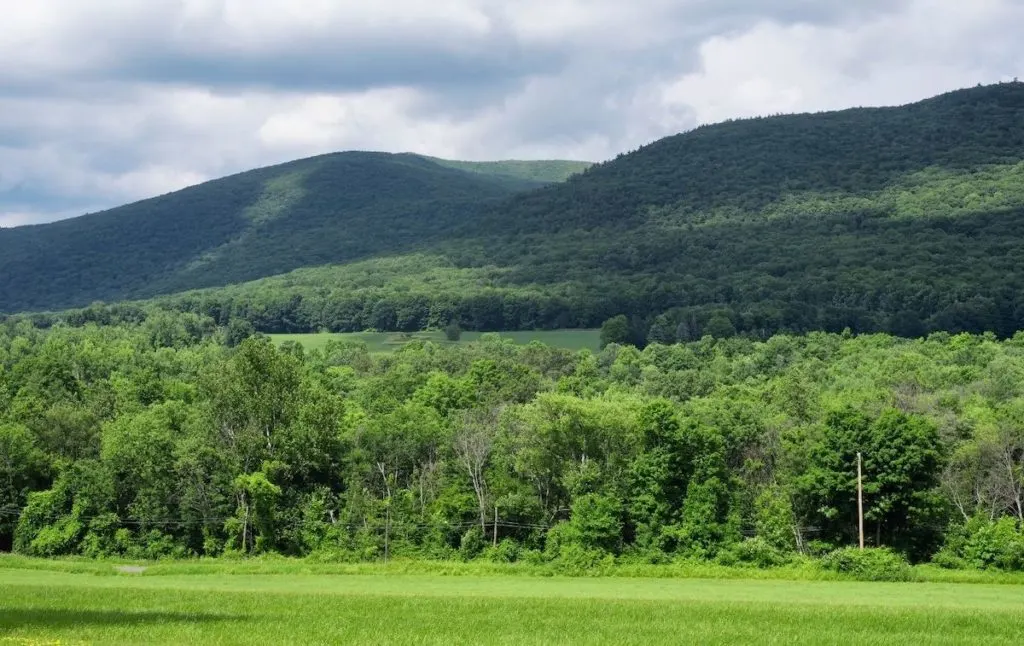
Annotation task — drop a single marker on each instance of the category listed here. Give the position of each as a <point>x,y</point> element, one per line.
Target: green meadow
<point>391,341</point>
<point>95,605</point>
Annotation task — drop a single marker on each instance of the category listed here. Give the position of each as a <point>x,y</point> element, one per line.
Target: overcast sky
<point>106,101</point>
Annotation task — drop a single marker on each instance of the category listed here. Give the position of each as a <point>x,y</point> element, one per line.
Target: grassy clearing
<point>43,606</point>
<point>391,341</point>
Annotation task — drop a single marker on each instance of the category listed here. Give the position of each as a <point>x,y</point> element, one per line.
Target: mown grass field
<point>41,606</point>
<point>391,341</point>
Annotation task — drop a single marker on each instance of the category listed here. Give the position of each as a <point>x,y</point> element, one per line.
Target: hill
<point>328,209</point>
<point>907,219</point>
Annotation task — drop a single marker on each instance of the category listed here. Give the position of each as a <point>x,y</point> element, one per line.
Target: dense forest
<point>171,438</point>
<point>906,220</point>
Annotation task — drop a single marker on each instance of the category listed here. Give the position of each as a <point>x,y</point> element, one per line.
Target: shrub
<point>995,545</point>
<point>472,543</point>
<point>949,560</point>
<point>507,551</point>
<point>453,332</point>
<point>596,521</point>
<point>819,548</point>
<point>562,534</point>
<point>644,556</point>
<point>774,519</point>
<point>870,564</point>
<point>574,559</point>
<point>759,552</point>
<point>100,540</point>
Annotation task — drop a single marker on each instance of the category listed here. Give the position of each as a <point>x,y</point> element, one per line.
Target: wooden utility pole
<point>860,501</point>
<point>387,527</point>
<point>495,532</point>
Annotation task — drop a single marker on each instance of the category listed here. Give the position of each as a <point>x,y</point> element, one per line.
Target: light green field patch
<point>407,609</point>
<point>391,341</point>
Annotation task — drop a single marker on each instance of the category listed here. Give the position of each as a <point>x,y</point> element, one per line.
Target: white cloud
<point>931,47</point>
<point>376,119</point>
<point>114,100</point>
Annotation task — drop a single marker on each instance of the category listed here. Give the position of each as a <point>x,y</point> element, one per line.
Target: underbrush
<point>842,565</point>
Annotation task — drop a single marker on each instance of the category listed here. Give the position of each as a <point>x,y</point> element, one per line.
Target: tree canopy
<point>163,439</point>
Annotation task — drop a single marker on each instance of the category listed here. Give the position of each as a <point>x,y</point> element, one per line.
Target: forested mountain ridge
<point>907,220</point>
<point>332,208</point>
<point>745,166</point>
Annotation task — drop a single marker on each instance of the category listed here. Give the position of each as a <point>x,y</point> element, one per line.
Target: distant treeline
<point>264,308</point>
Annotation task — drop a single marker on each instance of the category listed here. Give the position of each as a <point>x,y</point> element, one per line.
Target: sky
<point>109,101</point>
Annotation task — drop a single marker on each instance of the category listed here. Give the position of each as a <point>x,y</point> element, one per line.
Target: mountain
<point>328,209</point>
<point>906,219</point>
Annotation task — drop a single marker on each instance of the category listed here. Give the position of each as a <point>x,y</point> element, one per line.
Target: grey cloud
<point>343,66</point>
<point>433,58</point>
<point>118,108</point>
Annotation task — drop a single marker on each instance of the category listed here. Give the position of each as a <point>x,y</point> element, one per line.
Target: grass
<point>270,564</point>
<point>391,341</point>
<point>40,606</point>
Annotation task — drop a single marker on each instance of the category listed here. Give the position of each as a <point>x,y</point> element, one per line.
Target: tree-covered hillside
<point>907,220</point>
<point>328,209</point>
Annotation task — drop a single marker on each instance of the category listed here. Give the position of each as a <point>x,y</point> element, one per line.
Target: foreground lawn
<point>391,341</point>
<point>40,606</point>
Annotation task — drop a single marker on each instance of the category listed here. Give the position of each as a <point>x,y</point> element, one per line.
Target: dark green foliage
<point>615,330</point>
<point>902,461</point>
<point>23,469</point>
<point>452,331</point>
<point>720,327</point>
<point>238,330</point>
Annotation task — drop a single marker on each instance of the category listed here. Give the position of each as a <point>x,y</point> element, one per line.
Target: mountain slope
<point>906,219</point>
<point>744,166</point>
<point>328,209</point>
<point>539,172</point>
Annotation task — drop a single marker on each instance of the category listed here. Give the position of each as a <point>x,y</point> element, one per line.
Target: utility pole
<point>387,527</point>
<point>860,501</point>
<point>494,538</point>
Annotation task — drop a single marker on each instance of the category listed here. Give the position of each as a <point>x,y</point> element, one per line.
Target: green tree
<point>615,330</point>
<point>902,461</point>
<point>23,469</point>
<point>720,327</point>
<point>237,331</point>
<point>596,521</point>
<point>452,331</point>
<point>254,521</point>
<point>254,397</point>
